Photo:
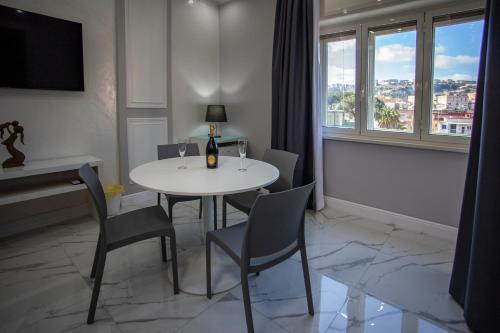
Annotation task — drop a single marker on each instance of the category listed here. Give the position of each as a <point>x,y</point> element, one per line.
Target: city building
<point>449,101</point>
<point>452,123</point>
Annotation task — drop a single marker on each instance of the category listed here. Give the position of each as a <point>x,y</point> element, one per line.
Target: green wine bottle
<point>212,150</point>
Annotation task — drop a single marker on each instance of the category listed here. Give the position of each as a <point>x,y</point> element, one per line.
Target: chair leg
<point>175,274</point>
<point>96,257</point>
<point>215,212</point>
<point>224,213</point>
<point>307,280</point>
<point>163,248</point>
<point>246,301</point>
<point>171,211</point>
<point>208,269</point>
<point>97,285</point>
<point>159,199</point>
<point>200,210</point>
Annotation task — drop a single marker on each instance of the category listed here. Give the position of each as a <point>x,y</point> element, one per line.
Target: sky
<point>456,55</point>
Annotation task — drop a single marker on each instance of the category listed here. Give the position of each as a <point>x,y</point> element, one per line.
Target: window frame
<point>421,137</point>
<point>328,37</point>
<point>429,75</point>
<point>367,73</point>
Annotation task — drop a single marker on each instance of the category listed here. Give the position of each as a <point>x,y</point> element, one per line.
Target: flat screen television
<point>39,52</point>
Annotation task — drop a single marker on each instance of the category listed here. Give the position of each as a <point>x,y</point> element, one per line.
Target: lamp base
<point>216,130</point>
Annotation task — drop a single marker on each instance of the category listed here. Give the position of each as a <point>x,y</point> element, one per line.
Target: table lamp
<point>216,114</point>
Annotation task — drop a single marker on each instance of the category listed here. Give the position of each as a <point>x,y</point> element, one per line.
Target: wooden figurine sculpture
<point>13,129</point>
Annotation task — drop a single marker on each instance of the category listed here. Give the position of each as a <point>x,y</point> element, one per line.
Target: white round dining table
<point>166,176</point>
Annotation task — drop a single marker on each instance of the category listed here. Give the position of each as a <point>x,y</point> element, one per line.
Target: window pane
<point>391,79</point>
<point>457,45</point>
<point>341,73</point>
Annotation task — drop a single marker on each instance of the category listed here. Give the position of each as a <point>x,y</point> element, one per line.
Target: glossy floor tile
<point>365,313</point>
<point>366,276</point>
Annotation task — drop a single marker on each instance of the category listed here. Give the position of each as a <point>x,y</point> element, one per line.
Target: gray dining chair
<point>284,161</point>
<point>172,151</point>
<point>273,233</point>
<point>121,230</point>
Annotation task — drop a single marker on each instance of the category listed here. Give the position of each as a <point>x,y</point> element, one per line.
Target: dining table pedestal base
<point>192,271</point>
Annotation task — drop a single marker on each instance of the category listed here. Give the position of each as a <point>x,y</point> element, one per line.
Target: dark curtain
<point>292,108</point>
<point>475,281</point>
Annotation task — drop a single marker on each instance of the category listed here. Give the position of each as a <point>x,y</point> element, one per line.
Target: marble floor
<point>366,276</point>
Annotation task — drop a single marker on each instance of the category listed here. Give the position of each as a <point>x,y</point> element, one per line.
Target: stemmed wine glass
<point>182,144</point>
<point>242,149</point>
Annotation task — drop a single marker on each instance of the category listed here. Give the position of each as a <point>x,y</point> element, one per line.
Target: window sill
<point>440,146</point>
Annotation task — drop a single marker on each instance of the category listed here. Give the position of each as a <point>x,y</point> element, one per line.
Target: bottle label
<point>211,160</point>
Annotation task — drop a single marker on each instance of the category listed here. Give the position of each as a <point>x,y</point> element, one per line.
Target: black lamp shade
<point>216,114</point>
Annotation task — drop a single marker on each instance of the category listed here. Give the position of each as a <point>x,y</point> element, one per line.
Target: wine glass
<point>182,145</point>
<point>242,149</point>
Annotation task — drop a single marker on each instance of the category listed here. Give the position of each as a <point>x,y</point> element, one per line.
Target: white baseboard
<point>399,220</point>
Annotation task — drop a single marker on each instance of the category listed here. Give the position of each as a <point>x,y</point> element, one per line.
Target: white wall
<point>426,184</point>
<point>59,123</point>
<point>246,33</point>
<point>194,65</point>
<point>125,112</point>
<point>193,74</point>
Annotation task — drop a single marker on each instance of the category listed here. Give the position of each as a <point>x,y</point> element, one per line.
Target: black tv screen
<point>39,52</point>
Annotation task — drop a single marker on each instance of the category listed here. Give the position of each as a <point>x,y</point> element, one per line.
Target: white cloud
<point>341,75</point>
<point>335,47</point>
<point>442,61</point>
<point>341,62</point>
<point>395,53</point>
<point>439,49</point>
<point>459,77</point>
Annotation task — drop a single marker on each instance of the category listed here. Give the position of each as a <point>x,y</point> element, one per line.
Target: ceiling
<point>331,8</point>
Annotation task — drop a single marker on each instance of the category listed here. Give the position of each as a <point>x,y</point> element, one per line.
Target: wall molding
<point>143,136</point>
<point>146,53</point>
<point>401,221</point>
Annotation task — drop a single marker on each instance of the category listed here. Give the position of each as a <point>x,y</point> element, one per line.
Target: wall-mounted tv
<point>39,52</point>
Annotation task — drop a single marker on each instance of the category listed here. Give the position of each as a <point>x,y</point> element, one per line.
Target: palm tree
<point>387,117</point>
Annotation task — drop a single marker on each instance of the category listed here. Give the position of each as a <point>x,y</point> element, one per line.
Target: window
<point>391,78</point>
<point>404,79</point>
<point>340,110</point>
<point>456,50</point>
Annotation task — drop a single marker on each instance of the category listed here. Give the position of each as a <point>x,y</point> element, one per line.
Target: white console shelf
<point>41,168</point>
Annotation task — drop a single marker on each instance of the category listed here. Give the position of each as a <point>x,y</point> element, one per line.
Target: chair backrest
<point>276,221</point>
<point>89,177</point>
<point>172,150</point>
<point>285,162</point>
